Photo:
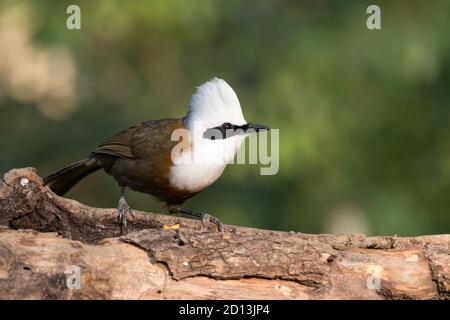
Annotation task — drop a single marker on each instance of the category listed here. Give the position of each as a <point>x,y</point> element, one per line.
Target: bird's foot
<point>207,217</point>
<point>204,217</point>
<point>124,209</point>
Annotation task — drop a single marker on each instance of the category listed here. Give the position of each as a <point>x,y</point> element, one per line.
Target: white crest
<point>214,103</point>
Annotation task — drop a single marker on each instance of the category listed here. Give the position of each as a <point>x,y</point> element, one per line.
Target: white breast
<point>194,177</point>
<point>204,163</point>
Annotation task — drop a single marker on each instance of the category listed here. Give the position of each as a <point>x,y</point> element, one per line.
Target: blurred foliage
<point>363,115</point>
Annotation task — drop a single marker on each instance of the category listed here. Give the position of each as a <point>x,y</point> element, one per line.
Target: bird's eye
<point>227,125</point>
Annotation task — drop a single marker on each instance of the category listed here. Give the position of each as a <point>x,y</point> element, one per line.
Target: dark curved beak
<point>256,127</point>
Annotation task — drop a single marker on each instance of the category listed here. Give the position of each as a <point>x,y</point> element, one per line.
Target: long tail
<point>62,181</point>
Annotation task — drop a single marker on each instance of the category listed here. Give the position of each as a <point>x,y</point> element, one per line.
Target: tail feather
<point>62,181</point>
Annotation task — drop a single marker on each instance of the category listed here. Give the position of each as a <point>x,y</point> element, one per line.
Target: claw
<point>210,218</point>
<point>202,216</point>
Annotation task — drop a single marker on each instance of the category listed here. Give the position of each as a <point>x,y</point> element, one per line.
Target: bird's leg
<point>123,208</point>
<point>202,216</point>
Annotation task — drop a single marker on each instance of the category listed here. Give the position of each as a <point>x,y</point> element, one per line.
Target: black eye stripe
<point>227,125</point>
<point>227,130</point>
<point>224,131</point>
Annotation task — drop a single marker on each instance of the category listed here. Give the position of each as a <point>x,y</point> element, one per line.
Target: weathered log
<point>157,259</point>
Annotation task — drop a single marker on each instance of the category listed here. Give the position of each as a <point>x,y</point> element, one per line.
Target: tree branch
<point>158,259</point>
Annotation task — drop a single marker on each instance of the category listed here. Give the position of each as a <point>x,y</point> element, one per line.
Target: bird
<point>142,157</point>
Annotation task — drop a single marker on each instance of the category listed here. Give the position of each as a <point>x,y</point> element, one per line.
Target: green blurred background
<point>363,115</point>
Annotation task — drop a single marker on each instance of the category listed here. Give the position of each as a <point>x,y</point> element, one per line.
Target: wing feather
<point>142,141</point>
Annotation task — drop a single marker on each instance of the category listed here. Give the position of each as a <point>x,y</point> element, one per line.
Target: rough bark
<point>157,260</point>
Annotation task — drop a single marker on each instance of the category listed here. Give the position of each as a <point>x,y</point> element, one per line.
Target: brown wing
<point>142,141</point>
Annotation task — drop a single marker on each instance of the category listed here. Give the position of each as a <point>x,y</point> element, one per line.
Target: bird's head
<point>215,110</point>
